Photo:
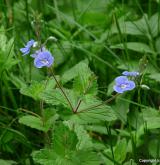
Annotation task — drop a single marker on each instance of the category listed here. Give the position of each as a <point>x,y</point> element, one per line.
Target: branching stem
<point>98,105</point>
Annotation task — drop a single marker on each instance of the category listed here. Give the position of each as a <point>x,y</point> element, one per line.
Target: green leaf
<point>36,88</point>
<point>84,140</point>
<point>7,60</point>
<point>95,115</point>
<point>38,123</point>
<point>130,162</point>
<point>56,97</point>
<point>135,46</point>
<point>73,72</point>
<point>154,24</point>
<point>151,117</point>
<point>89,113</point>
<point>64,140</point>
<point>86,158</point>
<point>84,79</point>
<point>122,108</point>
<point>155,76</point>
<point>151,120</point>
<point>17,81</point>
<point>64,151</point>
<point>97,128</point>
<point>7,162</point>
<point>85,82</point>
<point>121,147</point>
<point>138,27</point>
<point>154,147</point>
<point>45,156</point>
<point>49,157</point>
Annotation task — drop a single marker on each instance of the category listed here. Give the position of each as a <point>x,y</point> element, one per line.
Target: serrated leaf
<point>38,123</point>
<point>86,157</point>
<point>33,90</point>
<point>95,115</point>
<point>84,79</point>
<point>73,72</point>
<point>89,112</point>
<point>63,150</point>
<point>85,82</point>
<point>37,88</point>
<point>49,157</point>
<point>84,140</point>
<point>64,140</point>
<point>44,156</point>
<point>56,97</point>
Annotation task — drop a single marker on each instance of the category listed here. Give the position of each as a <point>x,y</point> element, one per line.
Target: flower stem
<point>63,92</point>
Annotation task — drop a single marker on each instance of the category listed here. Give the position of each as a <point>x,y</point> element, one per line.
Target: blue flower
<point>27,47</point>
<point>133,74</point>
<point>37,52</point>
<point>123,84</point>
<point>42,59</point>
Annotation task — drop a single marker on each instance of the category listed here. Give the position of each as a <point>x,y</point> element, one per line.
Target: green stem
<point>79,103</point>
<point>63,92</point>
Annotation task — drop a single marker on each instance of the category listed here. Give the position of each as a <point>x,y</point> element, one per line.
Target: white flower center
<point>44,61</point>
<point>123,86</point>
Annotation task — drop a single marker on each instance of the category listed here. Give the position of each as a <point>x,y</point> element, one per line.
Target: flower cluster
<point>122,83</point>
<point>132,74</point>
<point>42,57</point>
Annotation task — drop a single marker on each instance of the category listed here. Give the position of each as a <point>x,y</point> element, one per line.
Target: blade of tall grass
<point>69,19</point>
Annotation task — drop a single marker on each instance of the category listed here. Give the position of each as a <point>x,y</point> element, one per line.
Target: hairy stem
<point>63,92</point>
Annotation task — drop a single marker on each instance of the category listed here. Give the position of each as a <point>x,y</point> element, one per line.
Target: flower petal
<point>118,89</point>
<point>43,59</point>
<point>24,51</point>
<point>121,79</point>
<point>131,85</point>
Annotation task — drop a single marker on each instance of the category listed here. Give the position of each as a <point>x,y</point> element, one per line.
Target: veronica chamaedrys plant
<point>26,49</point>
<point>123,84</point>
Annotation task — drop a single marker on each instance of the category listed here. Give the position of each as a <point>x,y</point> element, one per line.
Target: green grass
<point>96,41</point>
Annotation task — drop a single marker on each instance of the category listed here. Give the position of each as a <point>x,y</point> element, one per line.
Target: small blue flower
<point>37,52</point>
<point>42,59</point>
<point>133,74</point>
<point>123,84</point>
<point>27,47</point>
